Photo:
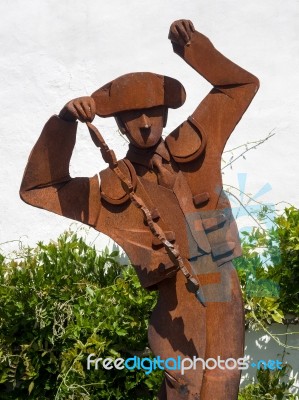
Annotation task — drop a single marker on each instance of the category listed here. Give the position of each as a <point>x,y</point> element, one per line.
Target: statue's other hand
<point>81,108</point>
<point>180,32</point>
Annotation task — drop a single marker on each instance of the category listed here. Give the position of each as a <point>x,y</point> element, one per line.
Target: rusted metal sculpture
<point>163,204</point>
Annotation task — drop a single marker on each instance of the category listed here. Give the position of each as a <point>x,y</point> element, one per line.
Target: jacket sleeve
<point>233,88</point>
<point>47,183</point>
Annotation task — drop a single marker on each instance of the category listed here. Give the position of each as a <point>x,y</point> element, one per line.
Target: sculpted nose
<point>145,121</point>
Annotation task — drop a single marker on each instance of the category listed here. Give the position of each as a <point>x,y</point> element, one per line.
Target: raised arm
<point>47,183</point>
<point>233,87</point>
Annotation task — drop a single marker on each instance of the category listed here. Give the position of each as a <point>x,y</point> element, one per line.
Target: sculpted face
<point>143,127</point>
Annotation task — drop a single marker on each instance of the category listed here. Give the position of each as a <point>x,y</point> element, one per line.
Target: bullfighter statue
<point>163,204</point>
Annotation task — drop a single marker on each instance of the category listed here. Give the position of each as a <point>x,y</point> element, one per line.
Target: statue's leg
<point>177,328</point>
<point>225,338</point>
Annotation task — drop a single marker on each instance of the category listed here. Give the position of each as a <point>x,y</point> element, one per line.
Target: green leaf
<point>31,386</point>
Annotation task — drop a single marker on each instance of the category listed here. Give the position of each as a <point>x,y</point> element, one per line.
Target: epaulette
<point>187,142</point>
<point>111,187</point>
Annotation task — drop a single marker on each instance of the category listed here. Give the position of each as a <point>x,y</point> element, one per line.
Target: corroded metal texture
<point>163,204</point>
<point>137,91</point>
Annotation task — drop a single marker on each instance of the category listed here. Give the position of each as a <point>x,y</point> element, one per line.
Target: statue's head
<point>139,102</point>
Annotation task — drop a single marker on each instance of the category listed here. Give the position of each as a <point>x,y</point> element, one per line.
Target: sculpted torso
<point>180,183</point>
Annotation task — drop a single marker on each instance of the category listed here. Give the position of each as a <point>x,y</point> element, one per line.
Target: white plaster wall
<point>267,346</point>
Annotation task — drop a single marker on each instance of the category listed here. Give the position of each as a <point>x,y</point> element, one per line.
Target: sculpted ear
<point>120,124</point>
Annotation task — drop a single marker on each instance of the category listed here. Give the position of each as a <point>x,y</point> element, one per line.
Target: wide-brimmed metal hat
<point>136,91</point>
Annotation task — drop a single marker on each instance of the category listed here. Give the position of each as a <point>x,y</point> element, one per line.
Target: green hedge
<point>269,269</point>
<point>61,302</point>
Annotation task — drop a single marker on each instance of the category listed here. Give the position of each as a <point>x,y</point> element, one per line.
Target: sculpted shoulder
<point>187,142</point>
<point>111,187</point>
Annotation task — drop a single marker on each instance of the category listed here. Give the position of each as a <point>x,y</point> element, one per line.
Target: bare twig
<point>247,146</point>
